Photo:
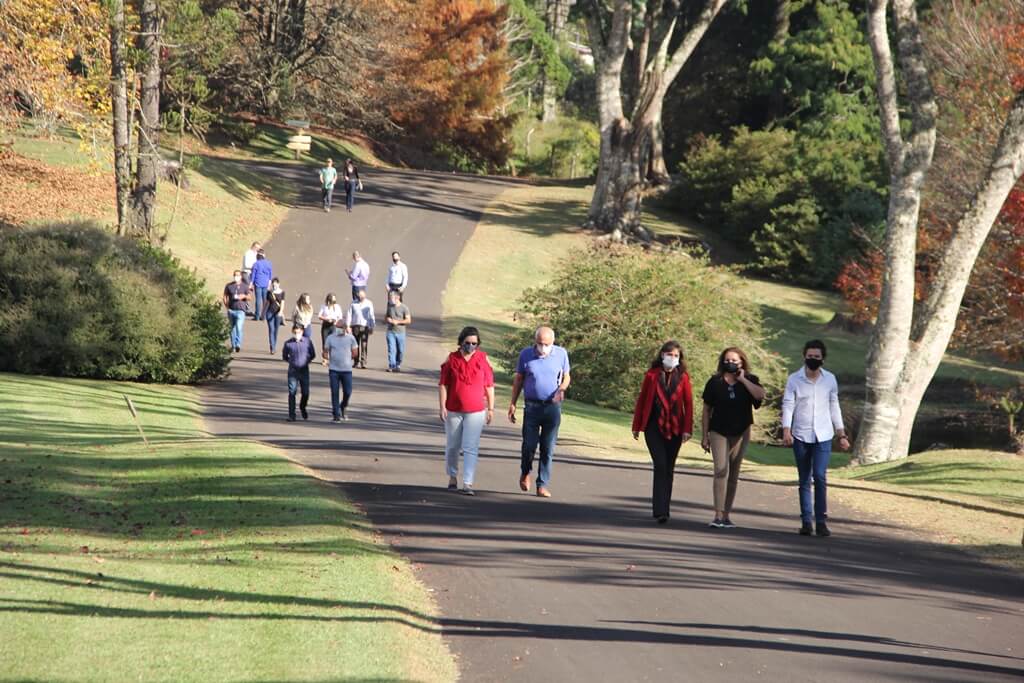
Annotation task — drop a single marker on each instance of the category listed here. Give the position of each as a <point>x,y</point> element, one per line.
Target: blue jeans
<point>307,332</point>
<point>812,461</point>
<point>396,348</point>
<point>340,379</point>
<point>237,319</point>
<point>355,291</point>
<point>261,296</point>
<point>328,195</point>
<point>540,427</point>
<point>350,195</point>
<point>273,323</point>
<point>462,433</point>
<point>298,379</point>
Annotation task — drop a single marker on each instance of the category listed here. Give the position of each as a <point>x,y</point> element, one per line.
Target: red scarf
<point>669,423</point>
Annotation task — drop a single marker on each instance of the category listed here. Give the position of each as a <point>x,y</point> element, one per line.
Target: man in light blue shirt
<point>810,419</point>
<point>542,375</point>
<point>328,177</point>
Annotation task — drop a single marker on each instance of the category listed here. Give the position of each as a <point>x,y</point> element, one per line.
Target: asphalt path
<point>583,586</point>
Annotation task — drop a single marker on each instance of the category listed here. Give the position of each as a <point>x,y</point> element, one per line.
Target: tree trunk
<point>119,104</point>
<point>144,195</point>
<point>906,349</point>
<point>657,170</point>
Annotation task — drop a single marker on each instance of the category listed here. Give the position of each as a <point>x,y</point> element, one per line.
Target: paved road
<point>582,587</point>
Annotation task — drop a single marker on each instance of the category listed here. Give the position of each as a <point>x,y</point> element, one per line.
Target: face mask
<point>670,362</point>
<point>813,363</point>
<point>544,349</point>
<point>238,280</point>
<point>277,289</point>
<point>297,337</point>
<point>468,348</point>
<point>731,367</point>
<point>396,260</point>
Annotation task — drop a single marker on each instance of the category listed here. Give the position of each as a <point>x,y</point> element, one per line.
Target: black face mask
<point>731,367</point>
<point>813,363</point>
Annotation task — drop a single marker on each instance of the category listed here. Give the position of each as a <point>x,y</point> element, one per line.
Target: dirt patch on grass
<point>34,191</point>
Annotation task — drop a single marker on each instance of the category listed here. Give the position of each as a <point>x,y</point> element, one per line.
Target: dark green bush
<point>80,302</point>
<point>612,307</point>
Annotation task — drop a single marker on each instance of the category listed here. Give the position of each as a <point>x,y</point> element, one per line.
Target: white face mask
<point>297,337</point>
<point>669,362</point>
<point>544,349</point>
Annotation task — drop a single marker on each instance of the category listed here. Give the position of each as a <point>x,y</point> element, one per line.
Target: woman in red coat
<point>664,413</point>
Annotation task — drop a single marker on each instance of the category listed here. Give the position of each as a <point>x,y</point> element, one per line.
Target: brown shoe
<point>543,492</point>
<point>524,482</point>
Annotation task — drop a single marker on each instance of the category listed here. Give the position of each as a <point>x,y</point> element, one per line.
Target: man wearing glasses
<point>542,375</point>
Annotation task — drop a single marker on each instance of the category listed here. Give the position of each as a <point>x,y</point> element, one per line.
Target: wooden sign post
<point>299,142</point>
<point>135,416</point>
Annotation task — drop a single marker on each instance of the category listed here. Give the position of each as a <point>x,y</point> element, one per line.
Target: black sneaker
<point>662,519</point>
<point>291,418</point>
<point>806,529</point>
<point>344,416</point>
<point>716,523</point>
<point>822,529</point>
<point>337,418</point>
<point>305,414</point>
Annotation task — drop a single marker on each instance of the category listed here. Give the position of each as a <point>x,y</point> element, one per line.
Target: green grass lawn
<point>195,560</point>
<point>270,143</point>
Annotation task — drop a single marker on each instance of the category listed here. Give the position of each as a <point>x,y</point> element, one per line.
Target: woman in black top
<point>352,182</point>
<point>730,397</point>
<point>274,311</point>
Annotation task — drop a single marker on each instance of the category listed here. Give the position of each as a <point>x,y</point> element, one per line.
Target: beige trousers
<point>727,453</point>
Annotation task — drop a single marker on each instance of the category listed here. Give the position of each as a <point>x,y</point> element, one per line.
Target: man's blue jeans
<point>261,296</point>
<point>812,461</point>
<point>540,427</point>
<point>273,323</point>
<point>396,348</point>
<point>298,380</point>
<point>237,319</point>
<point>340,380</point>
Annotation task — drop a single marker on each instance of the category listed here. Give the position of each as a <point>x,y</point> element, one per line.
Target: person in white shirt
<point>810,419</point>
<point>359,275</point>
<point>360,319</point>
<point>249,260</point>
<point>331,314</point>
<point>398,274</point>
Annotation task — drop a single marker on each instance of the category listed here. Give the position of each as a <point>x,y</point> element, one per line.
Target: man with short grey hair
<point>542,375</point>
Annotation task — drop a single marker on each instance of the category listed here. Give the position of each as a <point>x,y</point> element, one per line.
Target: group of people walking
<point>664,414</point>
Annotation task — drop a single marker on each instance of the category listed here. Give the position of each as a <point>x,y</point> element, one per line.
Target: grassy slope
<point>518,243</point>
<point>197,559</point>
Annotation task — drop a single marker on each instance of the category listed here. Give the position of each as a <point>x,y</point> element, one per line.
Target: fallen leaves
<point>35,191</point>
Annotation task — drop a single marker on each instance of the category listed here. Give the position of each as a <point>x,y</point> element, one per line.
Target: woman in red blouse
<point>466,395</point>
<point>664,413</point>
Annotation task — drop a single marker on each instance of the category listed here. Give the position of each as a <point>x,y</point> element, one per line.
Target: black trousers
<point>362,335</point>
<point>663,454</point>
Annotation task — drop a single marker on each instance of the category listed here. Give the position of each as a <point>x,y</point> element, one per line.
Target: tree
<point>658,55</point>
<point>119,111</point>
<point>908,342</point>
<point>147,163</point>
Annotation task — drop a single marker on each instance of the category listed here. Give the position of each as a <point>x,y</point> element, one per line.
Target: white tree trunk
<point>119,106</point>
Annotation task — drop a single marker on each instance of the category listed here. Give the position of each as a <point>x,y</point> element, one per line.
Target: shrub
<point>613,306</point>
<point>80,302</point>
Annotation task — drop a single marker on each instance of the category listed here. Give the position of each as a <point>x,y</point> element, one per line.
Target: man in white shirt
<point>248,261</point>
<point>398,274</point>
<point>810,419</point>
<point>359,275</point>
<point>360,318</point>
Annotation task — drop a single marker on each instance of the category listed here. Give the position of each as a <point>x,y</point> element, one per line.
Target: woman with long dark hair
<point>466,397</point>
<point>664,413</point>
<point>730,397</point>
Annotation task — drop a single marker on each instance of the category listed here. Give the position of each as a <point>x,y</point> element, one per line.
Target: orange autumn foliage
<point>455,70</point>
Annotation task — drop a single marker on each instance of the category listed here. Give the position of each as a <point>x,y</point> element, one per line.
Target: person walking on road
<point>664,413</point>
<point>298,352</point>
<point>361,321</point>
<point>328,177</point>
<point>352,183</point>
<point>303,315</point>
<point>248,261</point>
<point>262,274</point>
<point>359,275</point>
<point>340,350</point>
<point>466,397</point>
<point>398,274</point>
<point>235,297</point>
<point>331,314</point>
<point>542,375</point>
<point>730,397</point>
<point>273,311</point>
<point>398,318</point>
<point>811,417</point>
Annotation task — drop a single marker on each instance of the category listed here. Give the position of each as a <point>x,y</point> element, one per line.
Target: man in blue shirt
<point>299,353</point>
<point>542,375</point>
<point>260,277</point>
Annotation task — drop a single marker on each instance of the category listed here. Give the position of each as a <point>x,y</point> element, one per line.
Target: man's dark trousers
<point>298,379</point>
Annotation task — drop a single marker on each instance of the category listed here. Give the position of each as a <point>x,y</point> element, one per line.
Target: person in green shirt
<point>328,176</point>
